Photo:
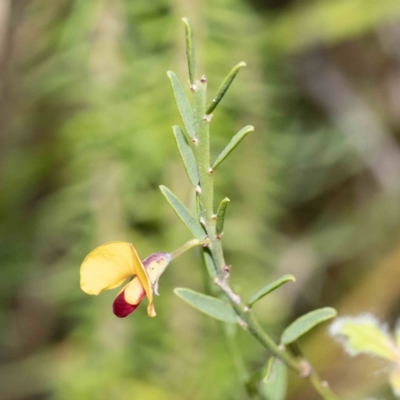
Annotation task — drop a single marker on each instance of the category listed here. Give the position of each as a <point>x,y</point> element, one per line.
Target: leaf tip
<point>249,128</point>
<point>332,311</point>
<point>291,278</point>
<point>176,291</point>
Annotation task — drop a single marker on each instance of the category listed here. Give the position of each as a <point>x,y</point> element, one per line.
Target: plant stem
<point>202,155</point>
<point>201,149</point>
<point>321,387</point>
<point>187,246</point>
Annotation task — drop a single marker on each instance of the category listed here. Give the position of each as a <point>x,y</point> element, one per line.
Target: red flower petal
<point>121,307</point>
<point>129,298</point>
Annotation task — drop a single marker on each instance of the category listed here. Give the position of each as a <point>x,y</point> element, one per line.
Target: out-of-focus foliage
<point>274,385</point>
<point>365,335</point>
<point>86,111</point>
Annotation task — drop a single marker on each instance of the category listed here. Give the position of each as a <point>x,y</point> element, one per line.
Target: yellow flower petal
<point>106,267</point>
<point>109,265</point>
<point>146,283</point>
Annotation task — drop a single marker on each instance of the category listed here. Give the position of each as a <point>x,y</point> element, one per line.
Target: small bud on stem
<point>242,324</point>
<point>305,369</point>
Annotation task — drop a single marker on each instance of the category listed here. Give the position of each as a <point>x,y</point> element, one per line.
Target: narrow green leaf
<point>224,87</point>
<point>364,334</point>
<point>221,215</point>
<point>270,288</point>
<point>269,371</point>
<point>211,306</point>
<point>232,144</point>
<point>187,155</point>
<point>306,322</point>
<point>209,261</point>
<point>190,51</point>
<point>275,388</point>
<point>183,213</point>
<point>184,107</point>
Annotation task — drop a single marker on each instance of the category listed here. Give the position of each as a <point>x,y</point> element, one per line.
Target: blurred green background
<point>85,139</point>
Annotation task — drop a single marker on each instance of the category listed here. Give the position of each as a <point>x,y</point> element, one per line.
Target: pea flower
<point>110,265</point>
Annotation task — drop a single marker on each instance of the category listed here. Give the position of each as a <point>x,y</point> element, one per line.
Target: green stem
<point>202,155</point>
<point>321,387</point>
<point>187,246</point>
<point>253,326</point>
<point>201,150</point>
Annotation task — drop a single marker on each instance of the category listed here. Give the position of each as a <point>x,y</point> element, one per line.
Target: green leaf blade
<point>232,144</point>
<point>270,288</point>
<point>183,213</point>
<point>211,306</point>
<point>184,107</point>
<point>224,87</point>
<point>187,156</point>
<point>305,323</point>
<point>274,386</point>
<point>209,261</point>
<point>364,335</point>
<point>269,371</point>
<point>190,50</point>
<point>221,215</point>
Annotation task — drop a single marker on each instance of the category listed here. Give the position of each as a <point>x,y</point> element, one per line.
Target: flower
<point>109,265</point>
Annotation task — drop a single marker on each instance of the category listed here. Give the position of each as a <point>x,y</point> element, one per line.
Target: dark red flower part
<point>121,307</point>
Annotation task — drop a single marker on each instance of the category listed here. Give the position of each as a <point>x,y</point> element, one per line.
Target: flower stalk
<point>188,245</point>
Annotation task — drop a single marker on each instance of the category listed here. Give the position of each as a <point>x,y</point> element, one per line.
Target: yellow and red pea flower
<point>109,265</point>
